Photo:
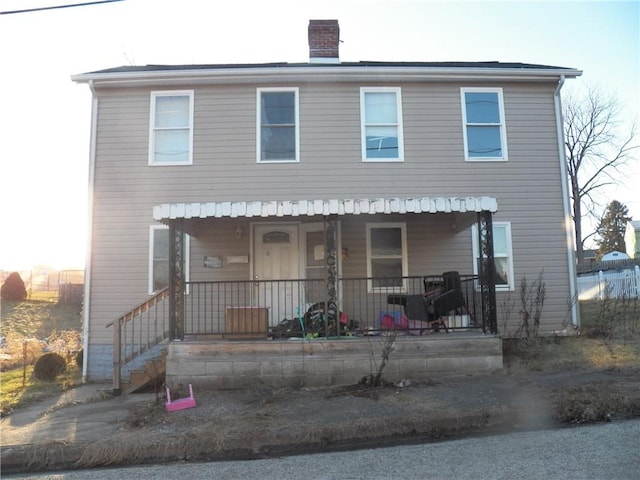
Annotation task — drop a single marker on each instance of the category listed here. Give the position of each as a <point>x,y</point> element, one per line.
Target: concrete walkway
<point>81,414</point>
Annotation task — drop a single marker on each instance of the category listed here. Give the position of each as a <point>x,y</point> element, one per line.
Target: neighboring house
<point>359,179</point>
<point>632,238</point>
<point>614,257</point>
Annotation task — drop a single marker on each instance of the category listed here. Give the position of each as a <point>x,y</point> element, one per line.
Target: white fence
<point>612,284</point>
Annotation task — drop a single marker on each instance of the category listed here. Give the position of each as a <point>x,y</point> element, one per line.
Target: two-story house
<point>632,238</point>
<point>230,201</point>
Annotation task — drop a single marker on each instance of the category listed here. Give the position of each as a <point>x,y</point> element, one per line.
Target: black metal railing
<point>367,300</point>
<point>300,307</point>
<point>248,309</point>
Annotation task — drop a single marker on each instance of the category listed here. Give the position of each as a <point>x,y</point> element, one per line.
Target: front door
<point>277,259</point>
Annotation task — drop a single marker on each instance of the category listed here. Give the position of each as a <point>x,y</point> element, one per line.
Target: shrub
<point>13,288</point>
<point>19,351</point>
<point>532,300</point>
<point>49,366</point>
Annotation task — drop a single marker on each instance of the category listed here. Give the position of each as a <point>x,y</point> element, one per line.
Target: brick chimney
<point>324,40</point>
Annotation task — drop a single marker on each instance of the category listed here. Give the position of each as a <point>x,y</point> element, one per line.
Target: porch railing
<point>281,308</point>
<point>257,309</point>
<point>138,330</point>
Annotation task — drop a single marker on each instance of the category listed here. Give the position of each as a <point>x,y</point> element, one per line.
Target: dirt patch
<point>265,421</point>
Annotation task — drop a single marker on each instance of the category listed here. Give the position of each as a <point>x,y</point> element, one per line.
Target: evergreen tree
<point>13,288</point>
<point>611,229</point>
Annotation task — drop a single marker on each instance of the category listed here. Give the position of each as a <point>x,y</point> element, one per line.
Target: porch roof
<point>334,206</point>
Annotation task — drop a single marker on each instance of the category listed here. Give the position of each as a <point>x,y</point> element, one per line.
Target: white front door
<point>277,258</point>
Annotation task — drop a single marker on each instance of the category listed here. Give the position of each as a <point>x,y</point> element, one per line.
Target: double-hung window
<point>171,128</point>
<point>386,256</point>
<point>502,253</point>
<point>159,258</point>
<point>381,129</point>
<point>277,129</point>
<point>484,130</point>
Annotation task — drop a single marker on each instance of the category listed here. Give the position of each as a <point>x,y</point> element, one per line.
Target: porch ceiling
<point>334,206</point>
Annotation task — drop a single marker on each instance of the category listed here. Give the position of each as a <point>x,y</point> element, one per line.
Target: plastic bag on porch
<point>395,320</point>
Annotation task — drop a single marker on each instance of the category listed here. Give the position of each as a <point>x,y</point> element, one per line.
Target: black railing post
<point>487,272</point>
<point>331,256</point>
<point>176,280</point>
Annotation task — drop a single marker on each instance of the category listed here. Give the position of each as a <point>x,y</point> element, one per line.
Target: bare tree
<point>595,152</point>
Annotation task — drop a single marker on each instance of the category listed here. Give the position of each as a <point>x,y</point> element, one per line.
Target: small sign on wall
<point>238,259</point>
<point>212,262</point>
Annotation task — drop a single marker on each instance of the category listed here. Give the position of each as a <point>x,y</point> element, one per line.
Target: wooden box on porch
<point>246,322</point>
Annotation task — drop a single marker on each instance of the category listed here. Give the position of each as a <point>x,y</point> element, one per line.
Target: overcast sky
<point>45,117</point>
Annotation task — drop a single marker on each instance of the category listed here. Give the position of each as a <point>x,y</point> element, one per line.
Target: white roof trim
<point>349,206</point>
<point>319,73</point>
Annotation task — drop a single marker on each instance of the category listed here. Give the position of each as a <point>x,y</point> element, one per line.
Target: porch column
<point>176,280</point>
<point>331,259</point>
<point>487,271</point>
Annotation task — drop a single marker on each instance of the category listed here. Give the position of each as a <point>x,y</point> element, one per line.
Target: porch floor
<point>210,362</point>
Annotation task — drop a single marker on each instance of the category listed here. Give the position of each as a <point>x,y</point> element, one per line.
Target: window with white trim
<point>159,258</point>
<point>381,124</point>
<point>277,125</point>
<point>386,255</point>
<point>484,131</point>
<point>171,128</point>
<point>502,254</point>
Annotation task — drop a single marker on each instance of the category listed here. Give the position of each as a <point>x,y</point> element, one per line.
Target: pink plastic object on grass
<point>181,403</point>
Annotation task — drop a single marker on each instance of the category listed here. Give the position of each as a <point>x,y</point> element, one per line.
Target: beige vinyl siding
<point>224,146</point>
<point>527,187</point>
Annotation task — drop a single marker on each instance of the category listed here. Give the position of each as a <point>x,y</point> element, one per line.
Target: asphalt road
<point>609,451</point>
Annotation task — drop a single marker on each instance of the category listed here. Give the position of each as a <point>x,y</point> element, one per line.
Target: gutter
<point>317,74</point>
<point>87,268</point>
<point>564,177</point>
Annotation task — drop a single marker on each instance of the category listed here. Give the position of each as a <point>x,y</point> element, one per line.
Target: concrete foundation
<point>320,362</point>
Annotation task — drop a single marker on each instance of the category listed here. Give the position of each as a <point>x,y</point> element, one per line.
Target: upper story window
<point>387,262</point>
<point>502,254</point>
<point>381,129</point>
<point>484,130</point>
<point>171,128</point>
<point>278,136</point>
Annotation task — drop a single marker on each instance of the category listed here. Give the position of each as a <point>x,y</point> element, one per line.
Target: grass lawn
<point>619,318</point>
<point>28,328</point>
<point>19,388</point>
<point>609,338</point>
<point>38,318</point>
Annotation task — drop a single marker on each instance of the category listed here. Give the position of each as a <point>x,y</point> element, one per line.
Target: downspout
<point>571,256</point>
<point>87,266</point>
